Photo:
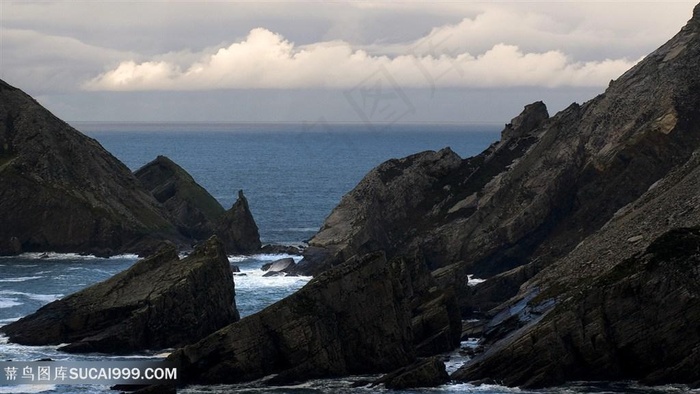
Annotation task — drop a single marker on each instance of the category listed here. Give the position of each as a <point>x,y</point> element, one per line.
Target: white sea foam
<point>254,279</point>
<point>263,257</point>
<point>21,279</point>
<point>72,256</point>
<point>27,388</point>
<point>474,281</point>
<point>8,302</point>
<point>33,296</point>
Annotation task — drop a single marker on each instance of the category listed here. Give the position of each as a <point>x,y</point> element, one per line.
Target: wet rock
<point>429,372</point>
<point>295,250</point>
<point>159,302</point>
<point>282,265</point>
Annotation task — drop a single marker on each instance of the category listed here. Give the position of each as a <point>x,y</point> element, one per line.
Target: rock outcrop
<point>61,191</point>
<point>367,315</point>
<point>197,214</point>
<point>193,208</point>
<point>584,225</point>
<point>279,267</point>
<point>429,372</point>
<point>623,297</point>
<point>161,301</point>
<point>353,319</point>
<point>237,228</point>
<point>635,322</point>
<point>535,195</point>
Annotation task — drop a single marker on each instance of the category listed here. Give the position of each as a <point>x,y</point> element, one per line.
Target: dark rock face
<point>626,295</point>
<point>429,372</point>
<point>428,204</point>
<point>237,228</point>
<point>62,191</point>
<point>353,319</point>
<point>193,208</point>
<point>375,214</point>
<point>161,301</point>
<point>196,213</point>
<point>637,322</point>
<point>539,192</point>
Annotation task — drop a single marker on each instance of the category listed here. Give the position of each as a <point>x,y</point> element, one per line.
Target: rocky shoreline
<point>584,227</point>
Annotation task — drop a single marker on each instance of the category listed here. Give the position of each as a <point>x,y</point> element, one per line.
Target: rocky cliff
<point>584,224</point>
<point>195,212</point>
<point>619,304</point>
<point>536,194</point>
<point>62,191</point>
<point>161,301</point>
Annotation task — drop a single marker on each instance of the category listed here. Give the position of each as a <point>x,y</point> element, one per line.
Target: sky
<point>373,62</point>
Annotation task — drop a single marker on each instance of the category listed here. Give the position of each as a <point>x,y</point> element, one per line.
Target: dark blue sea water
<point>292,174</point>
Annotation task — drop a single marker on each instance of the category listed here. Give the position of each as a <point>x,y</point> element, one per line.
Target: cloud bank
<point>266,60</point>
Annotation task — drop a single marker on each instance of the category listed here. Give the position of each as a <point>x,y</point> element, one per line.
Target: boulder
<point>61,191</point>
<point>282,265</point>
<point>353,319</point>
<point>161,301</point>
<point>429,372</point>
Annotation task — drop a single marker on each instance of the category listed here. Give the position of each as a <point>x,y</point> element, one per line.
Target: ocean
<point>293,175</point>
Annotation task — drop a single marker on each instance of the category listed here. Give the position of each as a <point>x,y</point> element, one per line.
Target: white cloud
<point>267,60</point>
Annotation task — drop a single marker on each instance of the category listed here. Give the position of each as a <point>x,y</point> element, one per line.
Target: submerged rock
<point>161,301</point>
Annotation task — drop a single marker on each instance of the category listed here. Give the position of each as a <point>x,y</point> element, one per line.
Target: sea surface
<point>293,175</point>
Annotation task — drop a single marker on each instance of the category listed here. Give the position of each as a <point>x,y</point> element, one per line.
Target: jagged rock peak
<point>530,119</point>
<point>237,228</point>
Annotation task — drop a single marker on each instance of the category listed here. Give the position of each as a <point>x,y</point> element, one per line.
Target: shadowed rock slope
<point>61,191</point>
<point>623,303</point>
<point>161,301</point>
<point>196,213</point>
<point>359,317</point>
